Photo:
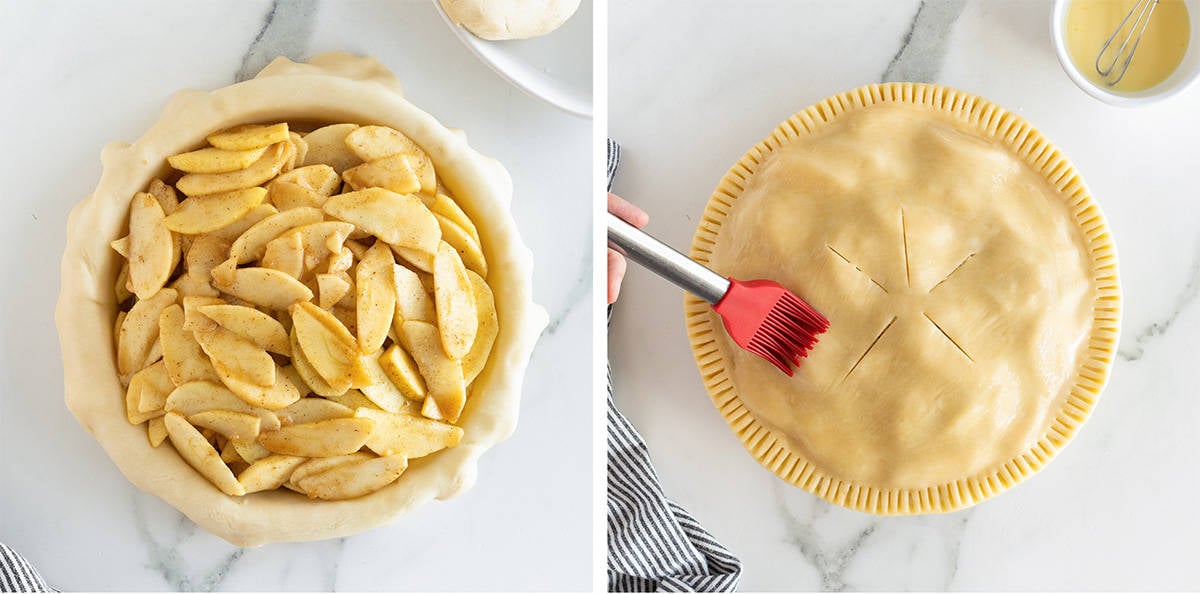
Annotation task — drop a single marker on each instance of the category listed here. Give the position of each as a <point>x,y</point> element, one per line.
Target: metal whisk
<point>1140,13</point>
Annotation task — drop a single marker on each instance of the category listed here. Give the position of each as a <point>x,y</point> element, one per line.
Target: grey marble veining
<point>923,49</point>
<point>164,557</point>
<point>829,559</point>
<point>1185,299</point>
<point>580,290</point>
<point>286,31</point>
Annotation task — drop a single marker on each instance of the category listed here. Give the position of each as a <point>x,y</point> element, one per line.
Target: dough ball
<point>510,19</point>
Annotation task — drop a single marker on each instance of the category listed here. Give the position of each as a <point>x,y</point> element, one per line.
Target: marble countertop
<point>77,75</point>
<point>1115,510</point>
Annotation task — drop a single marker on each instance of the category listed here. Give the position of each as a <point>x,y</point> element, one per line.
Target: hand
<point>616,262</point>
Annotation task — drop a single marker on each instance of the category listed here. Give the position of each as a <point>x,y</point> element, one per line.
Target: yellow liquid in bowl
<point>1165,41</point>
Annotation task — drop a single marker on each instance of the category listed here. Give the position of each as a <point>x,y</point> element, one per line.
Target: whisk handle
<point>664,261</point>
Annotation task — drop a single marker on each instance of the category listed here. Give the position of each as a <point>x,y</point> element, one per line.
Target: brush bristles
<point>788,333</point>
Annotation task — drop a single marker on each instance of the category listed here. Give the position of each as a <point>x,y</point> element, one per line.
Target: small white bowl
<point>555,68</point>
<point>1187,72</point>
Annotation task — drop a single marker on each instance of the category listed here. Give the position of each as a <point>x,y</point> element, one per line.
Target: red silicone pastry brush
<point>760,315</point>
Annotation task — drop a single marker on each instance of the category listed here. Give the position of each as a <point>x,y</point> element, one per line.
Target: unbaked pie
<point>297,281</point>
<point>970,282</point>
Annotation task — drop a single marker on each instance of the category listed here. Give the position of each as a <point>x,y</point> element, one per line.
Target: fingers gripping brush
<point>760,315</point>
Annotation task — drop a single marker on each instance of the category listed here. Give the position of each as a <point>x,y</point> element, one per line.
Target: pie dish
<point>971,285</point>
<point>330,88</point>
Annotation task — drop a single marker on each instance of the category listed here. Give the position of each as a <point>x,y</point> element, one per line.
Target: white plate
<point>556,67</point>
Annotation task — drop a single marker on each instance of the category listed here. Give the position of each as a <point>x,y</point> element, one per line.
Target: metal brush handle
<point>664,261</point>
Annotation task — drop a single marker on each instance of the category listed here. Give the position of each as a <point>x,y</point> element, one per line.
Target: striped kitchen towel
<point>653,544</point>
<point>17,575</point>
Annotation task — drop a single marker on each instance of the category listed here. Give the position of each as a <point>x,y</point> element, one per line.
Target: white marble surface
<point>691,89</point>
<point>76,75</point>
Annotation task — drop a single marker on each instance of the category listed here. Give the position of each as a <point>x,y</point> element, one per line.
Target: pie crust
<point>330,88</point>
<point>971,285</point>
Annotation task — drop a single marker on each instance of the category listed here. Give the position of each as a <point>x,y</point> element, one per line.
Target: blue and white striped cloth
<point>653,544</point>
<point>17,575</point>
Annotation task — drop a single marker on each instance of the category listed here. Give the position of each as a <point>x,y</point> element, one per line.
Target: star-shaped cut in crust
<point>909,291</point>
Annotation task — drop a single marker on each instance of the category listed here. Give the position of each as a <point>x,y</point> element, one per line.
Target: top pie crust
<point>970,282</point>
<point>330,88</point>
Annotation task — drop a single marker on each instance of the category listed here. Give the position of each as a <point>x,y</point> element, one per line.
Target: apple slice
<point>371,143</point>
<point>267,287</point>
<point>151,245</point>
<point>447,207</point>
<point>274,397</point>
<point>250,324</point>
<point>322,439</point>
<point>260,172</point>
<point>489,327</point>
<point>319,178</point>
<point>376,303</point>
<point>156,385</point>
<point>467,247</point>
<point>233,425</point>
<point>229,453</point>
<point>252,244</point>
<point>332,289</point>
<point>215,160</point>
<point>381,391</point>
<point>166,195</point>
<point>139,331</point>
<point>233,230</point>
<point>194,397</point>
<point>269,473</point>
<point>328,346</point>
<point>402,372</point>
<point>299,151</point>
<point>353,479</point>
<point>133,396</point>
<point>209,212</point>
<point>235,356</point>
<point>309,376</point>
<point>193,320</point>
<point>399,219</point>
<point>393,173</point>
<point>285,254</point>
<point>200,454</point>
<point>316,466</point>
<point>140,382</point>
<point>121,246</point>
<point>417,259</point>
<point>249,136</point>
<point>312,410</point>
<point>251,451</point>
<point>422,165</point>
<point>341,262</point>
<point>327,145</point>
<point>407,435</point>
<point>322,240</point>
<point>205,253</point>
<point>287,196</point>
<point>454,301</point>
<point>443,375</point>
<point>412,302</point>
<point>354,399</point>
<point>156,431</point>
